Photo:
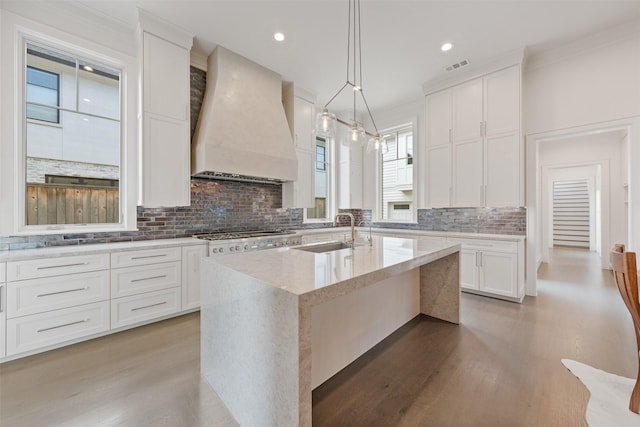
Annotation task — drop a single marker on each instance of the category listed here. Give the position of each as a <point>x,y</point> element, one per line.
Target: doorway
<point>571,213</point>
<point>605,146</point>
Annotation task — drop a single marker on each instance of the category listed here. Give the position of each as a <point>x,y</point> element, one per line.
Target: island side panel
<point>440,288</point>
<point>249,346</point>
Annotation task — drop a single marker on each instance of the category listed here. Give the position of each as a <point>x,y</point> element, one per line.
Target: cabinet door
<point>166,162</point>
<point>303,136</point>
<point>300,193</point>
<point>499,273</point>
<point>501,170</point>
<point>468,269</point>
<point>467,173</point>
<point>502,101</point>
<point>439,118</point>
<point>3,317</point>
<point>191,275</point>
<point>166,78</point>
<point>467,110</point>
<point>439,177</point>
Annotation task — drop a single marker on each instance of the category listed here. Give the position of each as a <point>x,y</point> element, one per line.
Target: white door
<point>439,118</point>
<point>499,273</point>
<point>467,110</point>
<point>469,269</point>
<point>468,186</point>
<point>439,176</point>
<point>501,170</point>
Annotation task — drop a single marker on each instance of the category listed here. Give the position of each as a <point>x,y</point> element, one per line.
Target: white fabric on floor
<point>609,402</point>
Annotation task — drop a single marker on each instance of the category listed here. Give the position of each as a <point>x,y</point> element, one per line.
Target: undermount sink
<point>326,246</point>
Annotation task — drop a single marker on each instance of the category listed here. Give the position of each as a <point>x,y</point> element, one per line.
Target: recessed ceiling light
<point>446,47</point>
<point>87,68</point>
<point>278,37</point>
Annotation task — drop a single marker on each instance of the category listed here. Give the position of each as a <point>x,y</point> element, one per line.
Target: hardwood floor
<point>500,367</point>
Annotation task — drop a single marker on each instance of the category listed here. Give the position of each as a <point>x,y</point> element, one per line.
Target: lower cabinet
<point>140,308</point>
<point>3,309</point>
<point>55,301</point>
<point>492,268</point>
<point>54,327</point>
<point>145,284</point>
<point>191,276</point>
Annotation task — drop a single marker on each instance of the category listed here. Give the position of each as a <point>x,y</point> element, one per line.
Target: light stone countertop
<point>314,274</point>
<point>60,251</point>
<point>413,233</point>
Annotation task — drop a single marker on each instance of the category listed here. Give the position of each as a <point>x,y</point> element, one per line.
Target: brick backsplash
<point>235,206</point>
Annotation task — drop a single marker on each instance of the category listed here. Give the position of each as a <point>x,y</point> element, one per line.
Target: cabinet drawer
<point>139,308</point>
<point>148,256</point>
<point>489,245</point>
<point>54,327</point>
<point>136,280</point>
<point>50,293</point>
<point>47,267</point>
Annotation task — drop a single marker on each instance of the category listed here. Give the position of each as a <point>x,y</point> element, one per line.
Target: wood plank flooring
<point>500,367</point>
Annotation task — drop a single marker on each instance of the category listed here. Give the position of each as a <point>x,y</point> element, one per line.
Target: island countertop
<point>305,273</point>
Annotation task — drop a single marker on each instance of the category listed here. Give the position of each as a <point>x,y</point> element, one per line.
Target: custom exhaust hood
<point>242,132</point>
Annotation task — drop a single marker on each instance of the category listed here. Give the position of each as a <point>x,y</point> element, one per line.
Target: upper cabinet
<point>477,160</point>
<point>165,163</point>
<point>299,108</point>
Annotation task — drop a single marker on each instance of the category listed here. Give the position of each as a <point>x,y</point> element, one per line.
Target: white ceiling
<point>400,39</point>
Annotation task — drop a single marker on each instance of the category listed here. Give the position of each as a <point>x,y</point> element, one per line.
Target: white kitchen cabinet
<point>164,120</point>
<point>485,143</point>
<point>439,175</point>
<point>467,111</point>
<point>492,268</point>
<point>439,120</point>
<point>3,310</point>
<point>468,188</point>
<point>191,256</point>
<point>50,301</point>
<point>300,111</point>
<point>145,285</point>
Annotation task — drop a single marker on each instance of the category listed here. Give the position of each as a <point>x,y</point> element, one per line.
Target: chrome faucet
<point>352,242</point>
<point>369,238</point>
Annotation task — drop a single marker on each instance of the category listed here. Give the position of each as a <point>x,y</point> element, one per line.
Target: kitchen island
<point>277,323</point>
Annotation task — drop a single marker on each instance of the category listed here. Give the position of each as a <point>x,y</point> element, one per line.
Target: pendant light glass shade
<point>377,143</point>
<point>326,124</point>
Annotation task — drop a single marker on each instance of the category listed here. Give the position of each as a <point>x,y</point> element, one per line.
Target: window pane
<point>98,89</point>
<point>397,176</point>
<point>72,170</point>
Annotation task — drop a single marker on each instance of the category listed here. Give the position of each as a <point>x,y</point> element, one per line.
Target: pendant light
<point>326,121</point>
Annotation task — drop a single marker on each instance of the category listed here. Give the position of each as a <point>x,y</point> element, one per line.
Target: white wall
<point>572,87</point>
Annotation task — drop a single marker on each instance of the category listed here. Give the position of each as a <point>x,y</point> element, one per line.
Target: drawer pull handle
<point>62,292</point>
<point>148,256</point>
<point>148,306</point>
<point>148,278</point>
<point>64,325</point>
<point>46,267</point>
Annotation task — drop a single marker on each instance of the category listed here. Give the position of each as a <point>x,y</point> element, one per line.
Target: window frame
<point>397,127</point>
<point>20,32</point>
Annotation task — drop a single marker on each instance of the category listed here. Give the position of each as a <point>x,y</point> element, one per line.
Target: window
<point>72,169</point>
<point>321,158</point>
<point>396,177</point>
<point>42,89</point>
<point>322,184</point>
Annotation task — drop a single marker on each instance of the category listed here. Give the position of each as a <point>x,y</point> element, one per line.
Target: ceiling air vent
<point>457,65</point>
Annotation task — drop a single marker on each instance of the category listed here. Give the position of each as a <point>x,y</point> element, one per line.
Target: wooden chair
<point>626,275</point>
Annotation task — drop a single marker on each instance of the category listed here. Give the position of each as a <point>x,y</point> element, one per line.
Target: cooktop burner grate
<point>242,234</point>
